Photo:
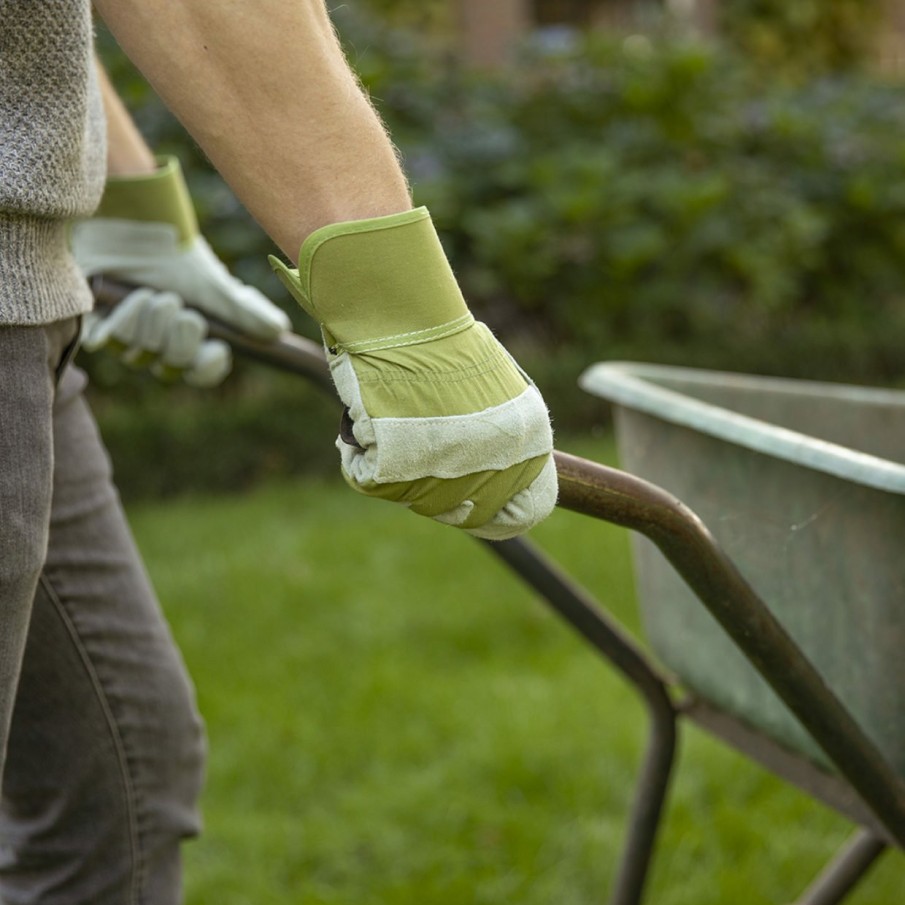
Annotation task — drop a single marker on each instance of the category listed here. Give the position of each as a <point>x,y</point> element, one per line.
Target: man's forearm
<point>127,152</point>
<point>263,87</point>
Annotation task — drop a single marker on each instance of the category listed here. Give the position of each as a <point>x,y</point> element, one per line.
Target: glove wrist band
<point>159,197</point>
<point>411,338</point>
<point>378,283</point>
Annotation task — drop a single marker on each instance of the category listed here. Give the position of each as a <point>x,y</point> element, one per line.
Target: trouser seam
<point>119,747</point>
<point>69,351</point>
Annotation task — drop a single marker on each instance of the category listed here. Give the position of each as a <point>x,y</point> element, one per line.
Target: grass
<point>394,719</point>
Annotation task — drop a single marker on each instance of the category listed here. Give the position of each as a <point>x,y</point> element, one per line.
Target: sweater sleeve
<point>52,155</point>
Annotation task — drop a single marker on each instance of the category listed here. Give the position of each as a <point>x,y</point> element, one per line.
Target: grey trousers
<point>101,746</point>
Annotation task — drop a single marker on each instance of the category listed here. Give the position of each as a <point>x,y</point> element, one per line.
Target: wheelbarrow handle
<point>288,352</point>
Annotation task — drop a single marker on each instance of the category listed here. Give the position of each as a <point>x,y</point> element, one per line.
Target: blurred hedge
<point>663,201</point>
<point>652,198</point>
<point>805,36</point>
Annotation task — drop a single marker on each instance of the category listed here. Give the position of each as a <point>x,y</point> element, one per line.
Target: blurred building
<point>490,29</point>
<point>891,50</point>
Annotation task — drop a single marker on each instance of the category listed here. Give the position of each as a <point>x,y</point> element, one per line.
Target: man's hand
<point>145,233</point>
<point>156,330</point>
<point>438,415</point>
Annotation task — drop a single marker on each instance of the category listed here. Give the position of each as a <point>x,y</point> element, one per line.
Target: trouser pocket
<point>71,334</point>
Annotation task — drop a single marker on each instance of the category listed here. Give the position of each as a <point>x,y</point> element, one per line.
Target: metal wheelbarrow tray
<point>740,490</point>
<point>802,486</point>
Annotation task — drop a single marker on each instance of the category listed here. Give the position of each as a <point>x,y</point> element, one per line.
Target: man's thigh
<point>106,747</point>
<point>29,361</point>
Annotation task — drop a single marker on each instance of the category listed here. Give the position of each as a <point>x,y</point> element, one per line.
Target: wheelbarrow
<point>801,486</point>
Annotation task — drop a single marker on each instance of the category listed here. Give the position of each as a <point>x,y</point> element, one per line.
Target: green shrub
<point>663,200</point>
<point>435,16</point>
<point>804,36</point>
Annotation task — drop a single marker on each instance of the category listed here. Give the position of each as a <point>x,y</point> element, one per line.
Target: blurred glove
<point>155,329</point>
<point>145,232</point>
<point>439,417</point>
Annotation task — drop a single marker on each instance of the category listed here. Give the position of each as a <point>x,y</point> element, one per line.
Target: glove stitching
<point>478,369</point>
<point>411,338</point>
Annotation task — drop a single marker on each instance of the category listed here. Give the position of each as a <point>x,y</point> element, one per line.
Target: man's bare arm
<point>265,90</point>
<point>127,152</point>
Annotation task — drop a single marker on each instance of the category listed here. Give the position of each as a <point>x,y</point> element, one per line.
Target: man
<point>102,743</point>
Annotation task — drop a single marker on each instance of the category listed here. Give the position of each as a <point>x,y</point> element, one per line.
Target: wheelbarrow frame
<point>865,788</point>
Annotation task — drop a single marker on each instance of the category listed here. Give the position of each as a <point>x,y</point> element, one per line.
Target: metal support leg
<point>845,871</point>
<point>651,789</point>
<point>691,549</point>
<point>579,609</point>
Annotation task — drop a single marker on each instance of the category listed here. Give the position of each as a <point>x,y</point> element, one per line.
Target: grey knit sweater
<point>52,155</point>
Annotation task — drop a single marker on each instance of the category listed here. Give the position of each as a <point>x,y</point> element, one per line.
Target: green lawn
<point>393,719</point>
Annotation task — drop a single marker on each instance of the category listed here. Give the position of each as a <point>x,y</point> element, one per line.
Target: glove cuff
<point>160,197</point>
<point>378,283</point>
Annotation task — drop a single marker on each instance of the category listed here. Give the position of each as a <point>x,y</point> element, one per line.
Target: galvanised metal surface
<point>689,547</point>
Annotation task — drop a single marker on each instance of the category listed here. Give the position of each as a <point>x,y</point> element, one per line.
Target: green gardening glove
<point>438,415</point>
<point>145,232</point>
